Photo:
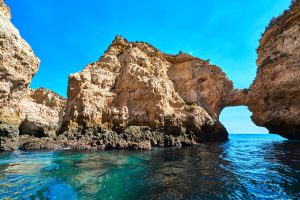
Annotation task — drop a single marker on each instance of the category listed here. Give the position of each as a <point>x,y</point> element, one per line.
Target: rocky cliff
<point>274,96</point>
<point>18,65</point>
<point>22,111</point>
<point>133,84</point>
<point>137,97</point>
<point>133,97</point>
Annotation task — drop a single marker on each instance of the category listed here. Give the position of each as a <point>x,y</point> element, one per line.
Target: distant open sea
<point>248,166</point>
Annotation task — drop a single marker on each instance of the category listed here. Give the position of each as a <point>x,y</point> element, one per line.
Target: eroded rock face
<point>4,10</point>
<point>197,82</point>
<point>274,96</point>
<point>133,84</point>
<point>18,64</point>
<point>42,113</point>
<point>133,97</point>
<point>17,60</point>
<point>40,116</point>
<point>22,111</point>
<point>137,97</point>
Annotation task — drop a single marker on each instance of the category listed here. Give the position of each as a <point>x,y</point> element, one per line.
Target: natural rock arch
<point>136,96</point>
<point>237,119</point>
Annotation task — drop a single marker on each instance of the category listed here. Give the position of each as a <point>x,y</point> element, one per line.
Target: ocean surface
<point>255,166</point>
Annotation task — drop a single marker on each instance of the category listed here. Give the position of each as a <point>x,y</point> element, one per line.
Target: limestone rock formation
<point>197,82</point>
<point>236,97</point>
<point>137,97</point>
<point>4,10</point>
<point>22,111</point>
<point>42,113</point>
<point>134,84</point>
<point>18,65</point>
<point>274,96</point>
<point>133,97</point>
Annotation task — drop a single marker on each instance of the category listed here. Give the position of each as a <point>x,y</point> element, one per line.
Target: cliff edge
<point>23,112</point>
<point>137,97</point>
<point>135,85</point>
<point>274,96</point>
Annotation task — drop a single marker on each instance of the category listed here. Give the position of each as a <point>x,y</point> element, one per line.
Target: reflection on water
<point>247,166</point>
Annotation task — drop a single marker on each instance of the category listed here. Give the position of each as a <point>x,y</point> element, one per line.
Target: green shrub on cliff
<point>190,105</point>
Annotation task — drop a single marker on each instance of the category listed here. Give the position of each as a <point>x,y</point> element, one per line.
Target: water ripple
<point>246,167</point>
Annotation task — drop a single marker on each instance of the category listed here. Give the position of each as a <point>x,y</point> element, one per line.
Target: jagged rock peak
<point>119,40</point>
<point>285,16</point>
<point>135,84</point>
<point>5,10</point>
<point>121,44</point>
<point>46,97</point>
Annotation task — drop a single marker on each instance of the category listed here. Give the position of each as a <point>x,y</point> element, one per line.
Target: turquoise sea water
<point>246,167</point>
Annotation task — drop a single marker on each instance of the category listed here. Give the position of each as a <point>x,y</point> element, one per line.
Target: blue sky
<point>66,35</point>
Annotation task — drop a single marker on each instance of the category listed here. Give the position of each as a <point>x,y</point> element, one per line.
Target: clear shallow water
<point>246,167</point>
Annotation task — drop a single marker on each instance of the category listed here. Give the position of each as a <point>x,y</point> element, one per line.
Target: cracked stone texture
<point>22,111</point>
<point>134,84</point>
<point>274,96</point>
<point>136,97</point>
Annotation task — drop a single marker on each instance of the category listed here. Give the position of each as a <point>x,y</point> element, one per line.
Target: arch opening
<point>237,120</point>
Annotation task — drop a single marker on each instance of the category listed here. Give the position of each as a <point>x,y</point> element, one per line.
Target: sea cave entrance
<point>237,120</point>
